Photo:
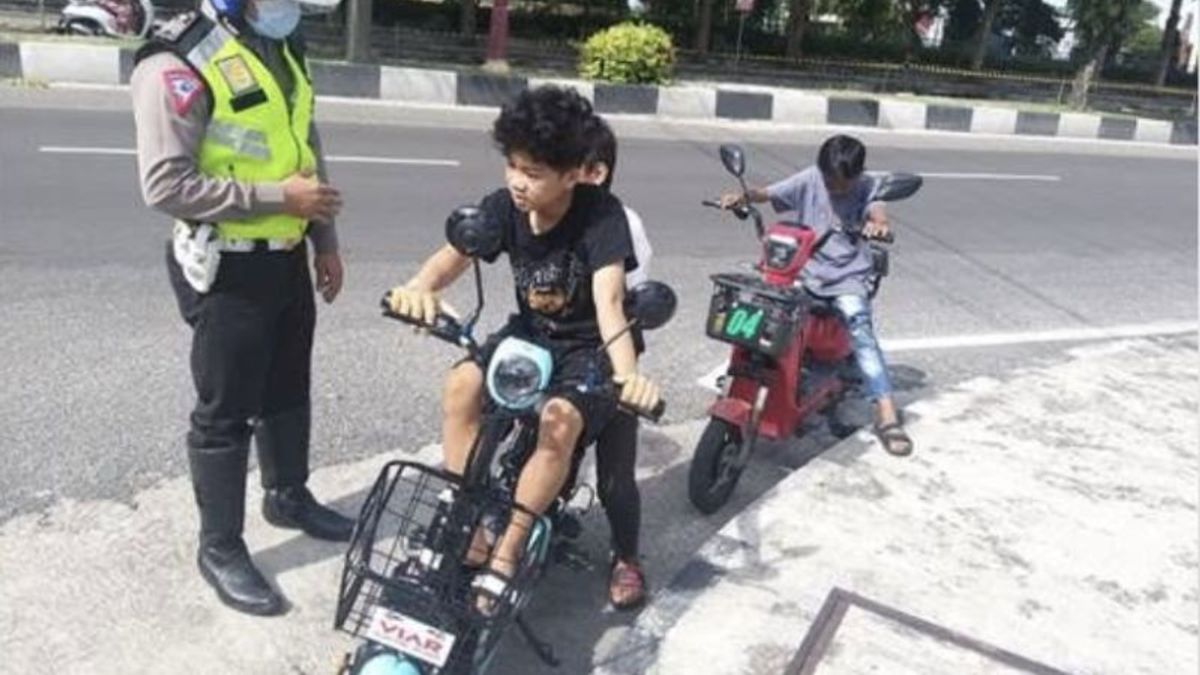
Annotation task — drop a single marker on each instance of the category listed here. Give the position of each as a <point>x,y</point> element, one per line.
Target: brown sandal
<point>894,440</point>
<point>626,580</point>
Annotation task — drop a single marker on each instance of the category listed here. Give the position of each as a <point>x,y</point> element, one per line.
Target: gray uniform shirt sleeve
<point>168,141</point>
<point>789,194</point>
<point>323,235</point>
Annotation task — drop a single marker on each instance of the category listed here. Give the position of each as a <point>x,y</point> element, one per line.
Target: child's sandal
<point>627,580</point>
<point>490,589</point>
<point>894,440</point>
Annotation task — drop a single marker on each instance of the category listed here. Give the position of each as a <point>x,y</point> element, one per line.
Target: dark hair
<point>602,148</point>
<point>547,123</point>
<point>842,156</point>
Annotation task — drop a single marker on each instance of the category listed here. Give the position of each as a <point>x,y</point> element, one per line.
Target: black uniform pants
<point>252,337</point>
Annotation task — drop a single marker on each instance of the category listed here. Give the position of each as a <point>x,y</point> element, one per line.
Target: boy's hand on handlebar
<point>416,304</point>
<point>732,200</point>
<point>876,229</point>
<point>638,392</point>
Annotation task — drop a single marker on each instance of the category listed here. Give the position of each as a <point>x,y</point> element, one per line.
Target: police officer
<point>224,105</point>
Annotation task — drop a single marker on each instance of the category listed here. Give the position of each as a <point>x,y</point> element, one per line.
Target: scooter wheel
<point>711,479</point>
<point>372,659</point>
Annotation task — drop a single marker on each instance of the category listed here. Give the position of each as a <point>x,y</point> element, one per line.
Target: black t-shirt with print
<point>552,272</point>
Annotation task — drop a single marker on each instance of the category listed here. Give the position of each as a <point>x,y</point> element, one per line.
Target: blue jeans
<point>855,311</point>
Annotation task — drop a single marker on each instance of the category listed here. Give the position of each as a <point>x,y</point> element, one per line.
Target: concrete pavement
<point>1047,524</point>
<point>1049,514</point>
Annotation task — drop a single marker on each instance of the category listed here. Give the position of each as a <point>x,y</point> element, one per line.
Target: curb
<point>107,64</point>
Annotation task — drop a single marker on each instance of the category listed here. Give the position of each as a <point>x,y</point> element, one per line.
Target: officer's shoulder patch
<point>174,29</point>
<point>183,88</point>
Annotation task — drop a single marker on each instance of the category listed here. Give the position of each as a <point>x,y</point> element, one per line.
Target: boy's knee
<point>464,386</point>
<point>858,320</point>
<point>560,426</point>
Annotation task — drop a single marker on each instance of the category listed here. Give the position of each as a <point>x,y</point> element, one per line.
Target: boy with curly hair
<point>568,246</point>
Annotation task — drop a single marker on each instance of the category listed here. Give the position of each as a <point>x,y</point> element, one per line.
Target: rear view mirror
<point>893,187</point>
<point>734,159</point>
<point>472,234</point>
<point>651,303</point>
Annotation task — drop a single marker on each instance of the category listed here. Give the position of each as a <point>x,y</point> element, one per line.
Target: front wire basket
<point>406,554</point>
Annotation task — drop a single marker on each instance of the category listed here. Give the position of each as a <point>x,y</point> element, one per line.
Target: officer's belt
<point>259,245</point>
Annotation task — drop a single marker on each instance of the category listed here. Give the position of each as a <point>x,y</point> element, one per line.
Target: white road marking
<point>62,150</point>
<point>333,159</point>
<point>991,176</point>
<point>406,161</point>
<point>709,380</point>
<point>1039,337</point>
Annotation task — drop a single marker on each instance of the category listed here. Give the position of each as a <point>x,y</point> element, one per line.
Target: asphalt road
<point>95,352</point>
<point>1015,238</point>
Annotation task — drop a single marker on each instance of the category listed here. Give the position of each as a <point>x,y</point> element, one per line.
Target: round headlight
<point>518,374</point>
<point>516,381</point>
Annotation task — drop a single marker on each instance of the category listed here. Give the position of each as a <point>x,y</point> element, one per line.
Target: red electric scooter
<point>791,352</point>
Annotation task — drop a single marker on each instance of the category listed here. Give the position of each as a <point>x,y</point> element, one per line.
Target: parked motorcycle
<point>791,356</point>
<point>131,19</point>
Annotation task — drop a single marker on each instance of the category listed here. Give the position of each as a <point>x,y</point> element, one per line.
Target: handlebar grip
<point>445,327</point>
<point>656,414</point>
<point>740,212</point>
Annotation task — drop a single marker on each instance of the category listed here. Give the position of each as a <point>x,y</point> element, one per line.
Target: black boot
<point>282,442</point>
<point>295,508</point>
<point>227,567</point>
<point>219,479</point>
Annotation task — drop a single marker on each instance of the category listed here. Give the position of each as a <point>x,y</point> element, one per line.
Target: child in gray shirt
<point>833,195</point>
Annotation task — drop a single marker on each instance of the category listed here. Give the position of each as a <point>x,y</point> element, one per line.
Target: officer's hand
<point>415,304</point>
<point>306,197</point>
<point>327,268</point>
<point>638,392</point>
<point>732,200</point>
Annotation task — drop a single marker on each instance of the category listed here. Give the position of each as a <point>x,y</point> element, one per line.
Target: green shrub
<point>628,53</point>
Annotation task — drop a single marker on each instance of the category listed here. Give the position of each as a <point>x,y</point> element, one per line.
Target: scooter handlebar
<point>444,327</point>
<point>656,414</point>
<point>742,211</point>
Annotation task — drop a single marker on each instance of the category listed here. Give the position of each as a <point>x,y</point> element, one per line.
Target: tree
<point>963,22</point>
<point>1099,25</point>
<point>704,27</point>
<point>797,23</point>
<point>466,17</point>
<point>872,20</point>
<point>1170,44</point>
<point>1142,37</point>
<point>990,11</point>
<point>1034,24</point>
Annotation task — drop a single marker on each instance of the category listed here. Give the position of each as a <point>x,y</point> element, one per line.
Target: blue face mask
<point>275,19</point>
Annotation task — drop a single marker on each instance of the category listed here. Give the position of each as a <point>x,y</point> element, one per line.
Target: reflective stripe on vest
<point>253,135</point>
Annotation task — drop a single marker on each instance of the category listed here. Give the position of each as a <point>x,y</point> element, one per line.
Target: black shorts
<point>573,364</point>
